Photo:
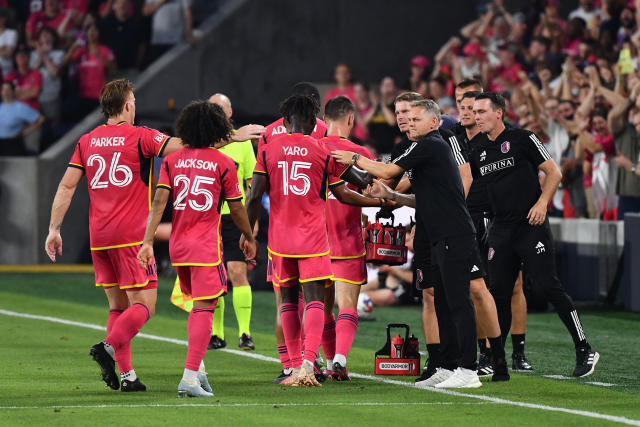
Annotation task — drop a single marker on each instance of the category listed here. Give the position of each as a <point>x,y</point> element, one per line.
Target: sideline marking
<point>47,268</point>
<point>497,400</point>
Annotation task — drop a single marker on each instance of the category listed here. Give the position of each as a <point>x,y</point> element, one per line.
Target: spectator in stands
<point>48,61</point>
<point>26,81</point>
<point>342,75</point>
<point>382,128</point>
<point>94,62</point>
<point>76,9</point>
<point>417,81</point>
<point>121,33</point>
<point>8,42</point>
<point>171,24</point>
<point>52,17</point>
<point>589,13</point>
<point>17,120</point>
<point>472,64</point>
<point>106,9</point>
<point>364,111</point>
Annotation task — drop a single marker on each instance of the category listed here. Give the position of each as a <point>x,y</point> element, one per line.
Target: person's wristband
<point>354,159</point>
<point>393,196</point>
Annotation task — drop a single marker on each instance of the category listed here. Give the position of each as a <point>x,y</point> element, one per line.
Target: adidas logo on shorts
<point>539,248</point>
<point>474,269</point>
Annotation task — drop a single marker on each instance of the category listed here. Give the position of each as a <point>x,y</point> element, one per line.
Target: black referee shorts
<point>230,240</point>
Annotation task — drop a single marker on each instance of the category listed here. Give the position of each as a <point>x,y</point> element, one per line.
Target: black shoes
<point>130,386</point>
<point>484,365</point>
<point>586,359</point>
<point>107,365</point>
<point>245,343</point>
<point>216,343</point>
<point>339,373</point>
<point>519,363</point>
<point>283,376</point>
<point>500,370</point>
<point>428,370</point>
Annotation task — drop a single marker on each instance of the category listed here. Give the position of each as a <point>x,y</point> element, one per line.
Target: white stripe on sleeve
<point>543,151</point>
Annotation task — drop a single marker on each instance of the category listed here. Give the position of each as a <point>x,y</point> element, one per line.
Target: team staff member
<point>242,155</point>
<point>440,201</point>
<point>509,161</point>
<point>117,158</point>
<point>210,177</point>
<point>480,210</point>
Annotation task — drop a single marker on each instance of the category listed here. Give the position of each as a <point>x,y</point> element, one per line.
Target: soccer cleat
<point>216,343</point>
<point>204,382</point>
<point>428,370</point>
<point>438,376</point>
<point>107,365</point>
<point>519,363</point>
<point>192,390</point>
<point>500,370</point>
<point>129,386</point>
<point>339,372</point>
<point>484,365</point>
<point>586,359</point>
<point>246,343</point>
<point>282,377</point>
<point>317,371</point>
<point>461,378</point>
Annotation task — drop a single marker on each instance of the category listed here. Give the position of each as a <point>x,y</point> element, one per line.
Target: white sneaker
<point>204,382</point>
<point>440,375</point>
<point>186,389</point>
<point>461,378</point>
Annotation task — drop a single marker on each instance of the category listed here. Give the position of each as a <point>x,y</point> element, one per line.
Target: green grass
<point>46,364</point>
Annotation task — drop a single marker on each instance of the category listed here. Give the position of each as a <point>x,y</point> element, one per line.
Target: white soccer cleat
<point>194,389</point>
<point>204,382</point>
<point>461,378</point>
<point>440,375</point>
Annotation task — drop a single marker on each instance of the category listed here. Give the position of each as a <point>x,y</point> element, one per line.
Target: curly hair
<point>303,107</point>
<point>201,124</point>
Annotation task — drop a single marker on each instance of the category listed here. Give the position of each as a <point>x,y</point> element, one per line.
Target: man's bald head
<point>223,101</point>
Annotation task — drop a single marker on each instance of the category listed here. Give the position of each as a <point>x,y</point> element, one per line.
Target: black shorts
<point>230,240</point>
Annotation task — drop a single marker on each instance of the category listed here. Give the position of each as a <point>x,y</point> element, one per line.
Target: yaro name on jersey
<point>110,141</point>
<point>295,151</point>
<point>197,164</point>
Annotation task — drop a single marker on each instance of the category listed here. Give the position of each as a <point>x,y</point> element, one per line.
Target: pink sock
<point>314,324</point>
<point>329,337</point>
<point>123,356</point>
<point>284,356</point>
<point>346,330</point>
<point>122,332</point>
<point>199,330</point>
<point>291,329</point>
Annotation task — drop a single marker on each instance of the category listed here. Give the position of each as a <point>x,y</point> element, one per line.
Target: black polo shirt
<point>438,187</point>
<point>509,167</point>
<point>477,199</point>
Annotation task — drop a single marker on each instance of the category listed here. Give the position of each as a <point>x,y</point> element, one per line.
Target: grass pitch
<point>48,378</point>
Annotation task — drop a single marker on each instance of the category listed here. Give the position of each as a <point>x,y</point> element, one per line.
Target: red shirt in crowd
<point>299,169</point>
<point>37,20</point>
<point>30,80</point>
<point>349,93</point>
<point>92,72</point>
<point>200,180</point>
<point>118,162</point>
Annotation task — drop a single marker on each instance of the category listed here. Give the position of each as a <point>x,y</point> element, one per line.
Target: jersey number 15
<point>295,175</point>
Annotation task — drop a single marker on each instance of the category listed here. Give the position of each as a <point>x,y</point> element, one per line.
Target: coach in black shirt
<point>508,161</point>
<point>440,204</point>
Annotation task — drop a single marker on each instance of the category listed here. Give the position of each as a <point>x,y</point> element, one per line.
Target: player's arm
<point>145,254</point>
<point>254,200</point>
<point>538,212</point>
<point>248,243</point>
<point>467,178</point>
<point>61,202</point>
<point>350,197</point>
<point>357,177</point>
<point>172,145</point>
<point>379,169</point>
<point>378,189</point>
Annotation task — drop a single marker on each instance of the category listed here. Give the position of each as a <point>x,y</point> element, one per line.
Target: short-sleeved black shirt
<point>438,187</point>
<point>509,167</point>
<point>477,199</point>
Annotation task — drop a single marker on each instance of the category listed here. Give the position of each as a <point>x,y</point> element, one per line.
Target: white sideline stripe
<point>613,418</point>
<point>244,405</point>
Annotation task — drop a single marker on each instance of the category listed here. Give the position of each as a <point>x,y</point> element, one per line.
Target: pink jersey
<point>201,180</point>
<point>344,222</point>
<point>277,128</point>
<point>118,161</point>
<point>298,168</point>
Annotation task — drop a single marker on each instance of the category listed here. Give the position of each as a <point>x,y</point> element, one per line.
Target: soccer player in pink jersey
<point>201,178</point>
<point>117,159</point>
<point>297,169</point>
<point>347,247</point>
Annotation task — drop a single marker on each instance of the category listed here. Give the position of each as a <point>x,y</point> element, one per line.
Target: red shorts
<point>119,267</point>
<point>202,282</point>
<point>289,271</point>
<point>350,270</point>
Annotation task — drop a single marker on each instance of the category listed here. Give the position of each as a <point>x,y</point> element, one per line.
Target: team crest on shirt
<point>505,147</point>
<point>491,254</point>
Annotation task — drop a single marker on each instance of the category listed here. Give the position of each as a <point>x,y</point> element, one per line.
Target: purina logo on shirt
<point>491,254</point>
<point>505,147</point>
<point>539,248</point>
<point>497,166</point>
<point>483,156</point>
